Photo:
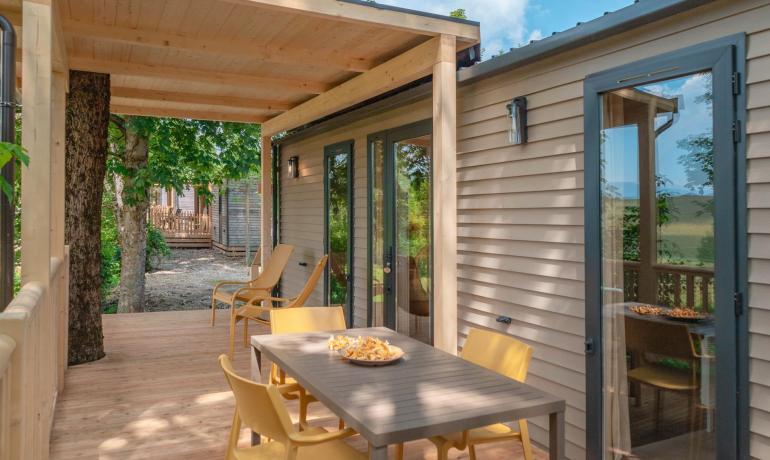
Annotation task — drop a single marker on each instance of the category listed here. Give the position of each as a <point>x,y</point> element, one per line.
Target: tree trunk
<point>133,215</point>
<point>88,115</point>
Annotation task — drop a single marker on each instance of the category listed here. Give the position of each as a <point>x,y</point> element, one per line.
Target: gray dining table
<point>428,392</point>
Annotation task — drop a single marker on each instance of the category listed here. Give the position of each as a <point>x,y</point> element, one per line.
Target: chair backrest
<point>259,406</point>
<point>498,352</point>
<point>311,283</point>
<point>307,319</point>
<point>273,269</point>
<point>658,338</point>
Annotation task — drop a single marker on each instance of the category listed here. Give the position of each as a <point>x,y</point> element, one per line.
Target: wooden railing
<point>180,224</point>
<point>33,357</point>
<point>675,285</point>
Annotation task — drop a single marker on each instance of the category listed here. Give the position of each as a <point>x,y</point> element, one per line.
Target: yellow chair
<point>297,320</point>
<point>230,292</point>
<point>259,407</point>
<point>502,354</point>
<point>253,311</point>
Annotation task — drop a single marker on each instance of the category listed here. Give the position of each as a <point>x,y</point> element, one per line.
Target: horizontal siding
<point>520,208</point>
<point>520,216</point>
<point>758,177</point>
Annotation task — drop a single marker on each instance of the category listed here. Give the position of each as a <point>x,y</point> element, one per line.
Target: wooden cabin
<point>230,208</point>
<point>183,217</point>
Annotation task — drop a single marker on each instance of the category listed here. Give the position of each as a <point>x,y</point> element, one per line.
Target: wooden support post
<point>266,234</point>
<point>37,129</point>
<point>445,196</point>
<point>57,164</point>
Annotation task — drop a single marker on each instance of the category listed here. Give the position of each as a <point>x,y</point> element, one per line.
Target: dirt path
<point>184,281</point>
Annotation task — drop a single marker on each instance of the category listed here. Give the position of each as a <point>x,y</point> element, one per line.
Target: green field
<point>687,238</point>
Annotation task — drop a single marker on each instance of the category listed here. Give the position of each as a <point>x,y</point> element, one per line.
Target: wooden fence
<point>675,285</point>
<point>33,358</point>
<point>182,229</point>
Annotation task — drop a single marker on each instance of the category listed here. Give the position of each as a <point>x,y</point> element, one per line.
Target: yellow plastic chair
<point>259,407</point>
<point>502,354</point>
<point>298,320</point>
<point>252,310</point>
<point>230,292</point>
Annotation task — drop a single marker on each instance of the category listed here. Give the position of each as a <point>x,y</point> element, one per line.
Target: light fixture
<point>517,112</point>
<point>293,169</point>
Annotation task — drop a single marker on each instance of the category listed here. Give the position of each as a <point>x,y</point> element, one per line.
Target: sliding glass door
<point>338,228</point>
<point>661,252</point>
<point>400,238</point>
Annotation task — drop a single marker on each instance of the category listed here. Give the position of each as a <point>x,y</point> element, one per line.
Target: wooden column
<point>445,196</point>
<point>57,164</point>
<point>38,121</point>
<point>266,233</point>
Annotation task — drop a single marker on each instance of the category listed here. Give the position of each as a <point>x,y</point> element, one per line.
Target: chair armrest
<point>289,388</point>
<point>229,283</point>
<point>301,439</point>
<point>260,298</point>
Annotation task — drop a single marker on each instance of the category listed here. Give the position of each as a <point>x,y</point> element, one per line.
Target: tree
<point>170,153</point>
<point>87,118</point>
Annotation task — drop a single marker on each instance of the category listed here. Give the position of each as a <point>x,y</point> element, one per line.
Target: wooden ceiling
<point>238,60</point>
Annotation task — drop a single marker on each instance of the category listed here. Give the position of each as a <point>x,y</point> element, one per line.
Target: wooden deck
<point>159,394</point>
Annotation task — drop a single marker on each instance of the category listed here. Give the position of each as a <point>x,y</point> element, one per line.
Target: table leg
<point>378,453</point>
<point>556,436</point>
<point>256,375</point>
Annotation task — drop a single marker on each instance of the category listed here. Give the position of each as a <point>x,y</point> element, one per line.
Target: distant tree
<point>170,153</point>
<point>458,13</point>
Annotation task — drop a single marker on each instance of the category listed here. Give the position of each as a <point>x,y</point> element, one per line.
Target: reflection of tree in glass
<point>413,196</point>
<point>338,227</point>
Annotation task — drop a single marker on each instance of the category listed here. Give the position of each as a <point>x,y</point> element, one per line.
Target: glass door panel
<point>339,225</point>
<point>413,236</point>
<point>658,236</point>
<point>400,209</point>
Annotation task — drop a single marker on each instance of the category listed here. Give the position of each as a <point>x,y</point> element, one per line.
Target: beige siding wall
<point>302,206</point>
<point>520,208</point>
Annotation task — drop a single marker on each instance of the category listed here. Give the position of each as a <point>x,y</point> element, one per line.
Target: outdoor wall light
<point>517,112</point>
<point>293,169</point>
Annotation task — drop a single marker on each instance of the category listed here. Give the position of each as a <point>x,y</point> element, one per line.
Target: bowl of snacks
<point>366,351</point>
<point>688,315</point>
<point>647,310</point>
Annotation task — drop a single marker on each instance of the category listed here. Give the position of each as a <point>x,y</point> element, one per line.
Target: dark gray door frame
<point>389,138</point>
<point>345,147</point>
<point>726,59</point>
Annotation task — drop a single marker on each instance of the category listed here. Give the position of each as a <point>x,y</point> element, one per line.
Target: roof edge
<point>632,16</point>
<point>380,6</point>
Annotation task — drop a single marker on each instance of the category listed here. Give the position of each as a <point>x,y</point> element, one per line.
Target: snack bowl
<point>397,354</point>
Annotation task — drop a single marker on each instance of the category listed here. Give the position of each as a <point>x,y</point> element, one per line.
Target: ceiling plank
<point>374,15</point>
<point>193,114</point>
<point>402,69</point>
<point>194,75</point>
<point>198,98</point>
<point>335,59</point>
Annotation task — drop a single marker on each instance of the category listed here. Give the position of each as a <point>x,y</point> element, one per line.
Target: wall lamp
<point>293,169</point>
<point>517,112</point>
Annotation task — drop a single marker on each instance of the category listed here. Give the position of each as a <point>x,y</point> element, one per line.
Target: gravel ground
<point>185,280</point>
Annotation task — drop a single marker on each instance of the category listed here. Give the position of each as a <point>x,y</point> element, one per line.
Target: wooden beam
<point>266,195</point>
<point>193,114</point>
<point>198,98</point>
<point>374,16</point>
<point>402,69</point>
<point>335,59</point>
<point>37,128</point>
<point>194,75</point>
<point>445,196</point>
<point>60,56</point>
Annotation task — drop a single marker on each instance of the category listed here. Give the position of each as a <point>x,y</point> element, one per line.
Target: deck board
<point>160,394</point>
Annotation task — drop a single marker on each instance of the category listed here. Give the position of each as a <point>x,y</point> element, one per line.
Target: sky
<point>509,24</point>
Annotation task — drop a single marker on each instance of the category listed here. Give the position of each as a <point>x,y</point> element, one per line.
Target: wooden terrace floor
<point>159,394</point>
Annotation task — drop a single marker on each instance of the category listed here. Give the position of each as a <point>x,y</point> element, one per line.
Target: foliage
<point>185,152</point>
<point>458,13</point>
<point>11,152</point>
<point>157,248</point>
<point>110,241</point>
